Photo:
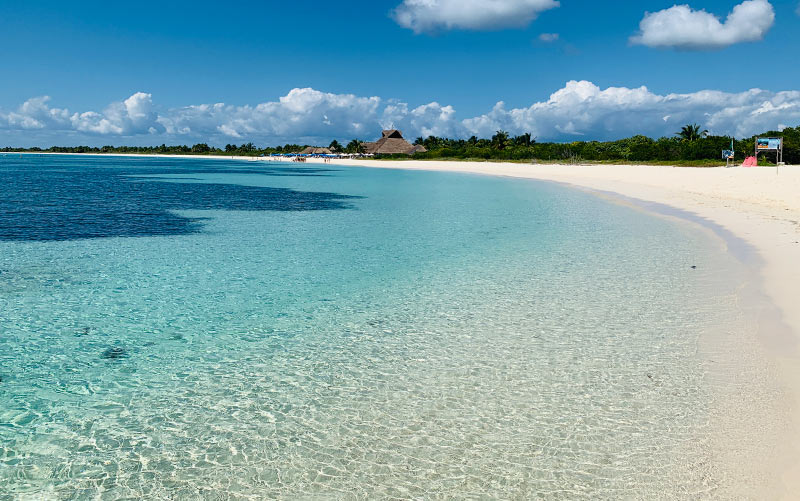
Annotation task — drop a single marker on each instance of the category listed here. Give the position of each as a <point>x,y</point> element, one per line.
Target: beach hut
<point>314,150</point>
<point>392,142</point>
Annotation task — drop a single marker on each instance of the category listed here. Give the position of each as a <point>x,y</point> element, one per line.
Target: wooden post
<point>756,148</point>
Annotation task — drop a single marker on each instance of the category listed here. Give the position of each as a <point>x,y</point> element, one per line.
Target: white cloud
<point>132,116</point>
<point>579,111</point>
<point>583,110</point>
<point>681,27</point>
<point>34,114</point>
<point>429,16</point>
<point>548,37</point>
<point>302,113</point>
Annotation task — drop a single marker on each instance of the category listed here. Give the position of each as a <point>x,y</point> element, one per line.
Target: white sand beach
<point>760,206</point>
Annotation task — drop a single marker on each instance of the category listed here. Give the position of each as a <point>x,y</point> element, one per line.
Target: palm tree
<point>500,139</point>
<point>691,132</point>
<point>355,146</point>
<point>335,146</point>
<point>523,140</point>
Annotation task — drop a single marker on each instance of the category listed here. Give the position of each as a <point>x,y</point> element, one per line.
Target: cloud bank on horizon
<point>579,111</point>
<point>681,27</point>
<point>430,16</point>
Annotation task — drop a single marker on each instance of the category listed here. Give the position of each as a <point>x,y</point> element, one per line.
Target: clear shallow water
<point>257,330</point>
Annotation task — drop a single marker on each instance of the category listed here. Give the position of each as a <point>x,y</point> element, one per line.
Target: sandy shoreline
<point>757,205</point>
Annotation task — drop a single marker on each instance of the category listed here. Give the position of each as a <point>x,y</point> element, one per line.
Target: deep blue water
<point>69,198</point>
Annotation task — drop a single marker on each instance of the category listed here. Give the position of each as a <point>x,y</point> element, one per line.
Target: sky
<point>146,73</point>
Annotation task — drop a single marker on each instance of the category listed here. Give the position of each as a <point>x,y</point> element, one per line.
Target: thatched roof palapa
<point>392,142</point>
<point>393,134</point>
<point>313,150</point>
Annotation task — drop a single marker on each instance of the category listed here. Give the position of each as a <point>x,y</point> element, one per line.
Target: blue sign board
<point>768,143</point>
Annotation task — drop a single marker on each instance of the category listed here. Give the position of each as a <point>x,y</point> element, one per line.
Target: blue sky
<point>465,57</point>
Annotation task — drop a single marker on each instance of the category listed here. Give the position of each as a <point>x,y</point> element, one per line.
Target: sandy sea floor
<point>756,212</point>
<point>759,206</point>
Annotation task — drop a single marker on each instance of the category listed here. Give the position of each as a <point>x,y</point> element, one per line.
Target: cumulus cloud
<point>681,27</point>
<point>430,16</point>
<point>302,113</point>
<point>580,110</point>
<point>584,111</point>
<point>132,116</point>
<point>34,114</point>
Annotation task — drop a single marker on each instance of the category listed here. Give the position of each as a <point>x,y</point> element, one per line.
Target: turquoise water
<point>264,331</point>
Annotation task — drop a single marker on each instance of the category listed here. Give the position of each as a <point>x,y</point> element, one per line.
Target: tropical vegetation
<point>691,145</point>
<point>691,132</point>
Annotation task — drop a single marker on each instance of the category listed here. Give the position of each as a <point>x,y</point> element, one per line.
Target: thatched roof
<point>392,142</point>
<point>313,150</point>
<point>393,134</point>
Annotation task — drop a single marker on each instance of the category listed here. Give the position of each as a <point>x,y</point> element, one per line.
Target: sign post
<point>728,155</point>
<point>771,144</point>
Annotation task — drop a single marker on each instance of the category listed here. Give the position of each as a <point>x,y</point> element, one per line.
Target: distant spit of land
<point>690,146</point>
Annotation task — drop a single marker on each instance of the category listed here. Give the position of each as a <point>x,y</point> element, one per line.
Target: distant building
<point>392,142</point>
<point>312,150</point>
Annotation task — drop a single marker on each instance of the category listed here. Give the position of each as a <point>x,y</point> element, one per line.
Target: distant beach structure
<point>392,142</point>
<point>312,150</point>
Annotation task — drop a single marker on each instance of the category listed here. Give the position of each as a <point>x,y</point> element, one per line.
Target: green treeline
<point>248,149</point>
<point>688,146</point>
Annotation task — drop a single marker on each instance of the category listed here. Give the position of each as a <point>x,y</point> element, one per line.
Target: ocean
<point>219,329</point>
